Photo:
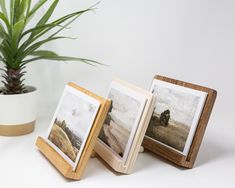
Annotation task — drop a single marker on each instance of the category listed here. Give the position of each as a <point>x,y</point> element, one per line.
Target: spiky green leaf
<point>16,32</point>
<point>51,26</point>
<point>18,45</point>
<point>5,21</point>
<point>37,45</point>
<point>3,7</point>
<point>12,9</point>
<point>48,14</point>
<point>45,17</point>
<point>17,13</point>
<point>36,7</point>
<point>60,58</point>
<point>43,53</point>
<point>24,5</point>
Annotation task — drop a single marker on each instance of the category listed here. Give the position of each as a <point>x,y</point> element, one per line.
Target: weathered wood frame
<point>171,155</point>
<point>58,161</point>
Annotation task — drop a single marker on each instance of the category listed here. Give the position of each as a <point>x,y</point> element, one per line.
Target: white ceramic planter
<point>18,113</point>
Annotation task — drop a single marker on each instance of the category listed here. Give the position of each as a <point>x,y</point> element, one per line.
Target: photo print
<point>122,120</point>
<point>72,123</point>
<point>176,115</point>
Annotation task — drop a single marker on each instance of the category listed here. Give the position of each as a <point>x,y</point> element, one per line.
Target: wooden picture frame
<point>172,155</point>
<point>57,160</point>
<point>106,153</point>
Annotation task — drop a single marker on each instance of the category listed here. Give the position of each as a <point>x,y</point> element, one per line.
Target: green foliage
<point>20,45</point>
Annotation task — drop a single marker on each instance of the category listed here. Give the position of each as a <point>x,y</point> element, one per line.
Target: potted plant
<point>19,46</point>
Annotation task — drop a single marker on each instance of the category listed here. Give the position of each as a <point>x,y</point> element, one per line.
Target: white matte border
<point>200,106</point>
<point>139,97</point>
<point>83,96</point>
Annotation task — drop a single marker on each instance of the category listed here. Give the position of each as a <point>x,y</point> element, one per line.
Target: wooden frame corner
<point>58,161</point>
<point>171,155</point>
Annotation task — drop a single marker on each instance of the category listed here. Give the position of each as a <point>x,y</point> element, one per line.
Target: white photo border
<point>83,96</point>
<point>200,106</point>
<point>139,97</point>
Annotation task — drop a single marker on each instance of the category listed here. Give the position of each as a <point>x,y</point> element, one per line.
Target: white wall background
<point>188,40</point>
<point>191,40</point>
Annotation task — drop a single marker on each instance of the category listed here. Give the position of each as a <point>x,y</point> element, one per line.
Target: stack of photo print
<point>168,118</point>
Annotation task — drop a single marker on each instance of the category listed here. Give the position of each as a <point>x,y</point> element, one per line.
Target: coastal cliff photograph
<point>121,119</point>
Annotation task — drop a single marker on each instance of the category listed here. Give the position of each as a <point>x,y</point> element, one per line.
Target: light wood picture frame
<point>57,159</point>
<point>171,92</point>
<point>122,95</point>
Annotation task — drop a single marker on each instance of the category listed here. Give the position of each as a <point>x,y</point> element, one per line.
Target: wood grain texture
<point>171,155</point>
<point>137,143</point>
<point>109,156</point>
<point>17,130</point>
<point>58,161</point>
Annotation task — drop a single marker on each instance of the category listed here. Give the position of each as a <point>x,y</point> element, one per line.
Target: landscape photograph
<point>173,116</point>
<point>71,124</point>
<point>123,116</point>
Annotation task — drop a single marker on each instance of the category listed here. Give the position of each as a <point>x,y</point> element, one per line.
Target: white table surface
<point>22,165</point>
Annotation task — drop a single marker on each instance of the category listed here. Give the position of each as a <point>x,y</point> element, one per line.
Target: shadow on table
<point>211,151</point>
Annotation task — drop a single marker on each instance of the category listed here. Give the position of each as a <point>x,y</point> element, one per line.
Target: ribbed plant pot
<point>18,113</point>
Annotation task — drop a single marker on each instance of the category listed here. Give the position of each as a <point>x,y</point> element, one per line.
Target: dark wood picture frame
<point>168,153</point>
